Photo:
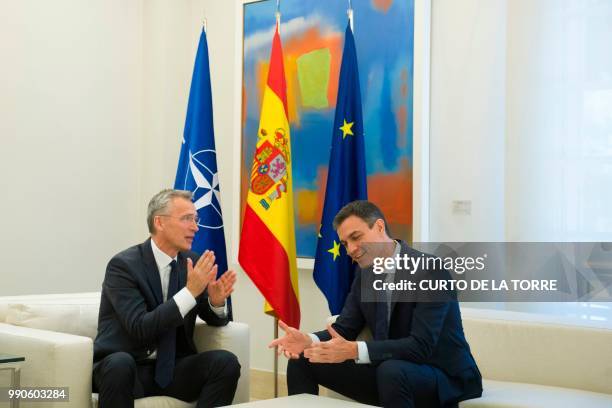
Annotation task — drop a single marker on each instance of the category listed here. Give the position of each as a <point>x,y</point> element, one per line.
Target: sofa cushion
<point>78,319</point>
<point>516,395</point>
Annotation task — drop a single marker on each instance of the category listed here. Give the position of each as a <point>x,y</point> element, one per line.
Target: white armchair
<point>55,334</point>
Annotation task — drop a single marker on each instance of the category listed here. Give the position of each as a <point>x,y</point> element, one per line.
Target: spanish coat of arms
<point>269,171</point>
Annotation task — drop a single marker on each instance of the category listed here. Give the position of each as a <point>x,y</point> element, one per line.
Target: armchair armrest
<point>52,359</point>
<point>234,337</point>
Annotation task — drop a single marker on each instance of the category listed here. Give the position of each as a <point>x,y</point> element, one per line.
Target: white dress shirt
<point>183,298</point>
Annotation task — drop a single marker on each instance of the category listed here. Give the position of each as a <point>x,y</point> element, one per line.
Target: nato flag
<point>346,182</point>
<point>197,167</point>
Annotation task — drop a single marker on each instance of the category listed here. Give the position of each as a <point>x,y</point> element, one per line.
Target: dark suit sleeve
<point>122,289</point>
<point>207,314</point>
<point>427,323</point>
<point>351,321</point>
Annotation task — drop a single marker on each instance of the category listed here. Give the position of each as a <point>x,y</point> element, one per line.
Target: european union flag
<point>197,167</point>
<point>346,181</point>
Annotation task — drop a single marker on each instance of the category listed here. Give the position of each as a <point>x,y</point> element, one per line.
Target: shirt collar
<point>162,259</point>
<point>398,249</point>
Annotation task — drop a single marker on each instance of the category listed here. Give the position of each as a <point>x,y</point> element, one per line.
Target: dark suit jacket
<point>132,314</point>
<point>421,332</point>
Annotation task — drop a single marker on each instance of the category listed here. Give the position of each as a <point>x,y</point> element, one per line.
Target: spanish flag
<point>267,243</point>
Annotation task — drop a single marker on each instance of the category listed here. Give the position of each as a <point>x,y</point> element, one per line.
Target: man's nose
<point>351,249</point>
<point>194,226</point>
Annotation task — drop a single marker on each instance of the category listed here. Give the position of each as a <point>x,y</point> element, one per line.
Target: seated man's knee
<point>118,368</point>
<point>391,375</point>
<point>297,364</point>
<point>229,363</point>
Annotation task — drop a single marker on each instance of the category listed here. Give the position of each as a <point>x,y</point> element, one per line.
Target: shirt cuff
<point>363,354</point>
<point>184,300</point>
<point>220,311</point>
<point>314,337</point>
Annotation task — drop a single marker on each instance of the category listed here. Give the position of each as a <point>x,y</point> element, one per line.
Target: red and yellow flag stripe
<point>267,243</point>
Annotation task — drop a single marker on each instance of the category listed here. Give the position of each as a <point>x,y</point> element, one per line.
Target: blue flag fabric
<point>197,167</point>
<point>346,181</point>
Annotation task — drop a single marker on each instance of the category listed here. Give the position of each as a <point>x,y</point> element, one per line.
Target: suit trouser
<point>209,377</point>
<point>393,383</point>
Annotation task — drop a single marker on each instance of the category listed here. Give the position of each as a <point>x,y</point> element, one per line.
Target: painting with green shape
<point>312,34</point>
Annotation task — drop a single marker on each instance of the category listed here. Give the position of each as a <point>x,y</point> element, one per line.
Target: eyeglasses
<point>185,219</point>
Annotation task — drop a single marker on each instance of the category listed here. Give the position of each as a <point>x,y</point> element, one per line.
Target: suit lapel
<point>151,271</point>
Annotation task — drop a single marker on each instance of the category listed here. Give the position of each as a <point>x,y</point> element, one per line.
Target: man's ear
<point>157,223</point>
<point>380,225</point>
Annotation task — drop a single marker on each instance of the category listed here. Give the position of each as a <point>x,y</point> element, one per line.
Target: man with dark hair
<point>151,295</point>
<point>363,209</point>
<point>418,355</point>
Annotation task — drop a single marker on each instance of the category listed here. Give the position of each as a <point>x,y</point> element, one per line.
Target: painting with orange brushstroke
<point>312,34</point>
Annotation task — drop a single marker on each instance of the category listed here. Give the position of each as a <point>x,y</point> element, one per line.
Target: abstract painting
<point>312,34</point>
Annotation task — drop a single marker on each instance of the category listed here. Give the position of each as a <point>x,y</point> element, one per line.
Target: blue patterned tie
<point>166,348</point>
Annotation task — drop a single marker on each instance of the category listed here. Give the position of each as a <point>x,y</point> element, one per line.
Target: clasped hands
<point>204,274</point>
<point>294,342</point>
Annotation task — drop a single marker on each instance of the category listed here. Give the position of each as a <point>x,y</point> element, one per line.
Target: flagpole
<point>276,358</point>
<point>349,12</point>
<point>204,26</point>
<point>278,16</point>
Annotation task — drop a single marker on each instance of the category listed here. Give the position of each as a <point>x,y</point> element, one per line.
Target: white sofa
<point>530,361</point>
<point>55,334</point>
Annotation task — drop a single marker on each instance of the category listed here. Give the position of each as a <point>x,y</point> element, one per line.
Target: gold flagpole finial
<point>204,26</point>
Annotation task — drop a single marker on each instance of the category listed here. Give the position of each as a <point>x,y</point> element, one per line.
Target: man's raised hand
<point>292,343</point>
<point>220,289</point>
<point>201,274</point>
<point>336,350</point>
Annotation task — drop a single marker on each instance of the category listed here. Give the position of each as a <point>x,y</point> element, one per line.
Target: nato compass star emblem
<point>202,180</point>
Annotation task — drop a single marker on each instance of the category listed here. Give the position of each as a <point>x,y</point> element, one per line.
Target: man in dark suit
<point>418,355</point>
<point>151,295</point>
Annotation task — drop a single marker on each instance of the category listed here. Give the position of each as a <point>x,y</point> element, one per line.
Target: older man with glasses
<point>151,295</point>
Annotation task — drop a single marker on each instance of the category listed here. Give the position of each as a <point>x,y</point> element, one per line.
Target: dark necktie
<point>382,328</point>
<point>166,348</point>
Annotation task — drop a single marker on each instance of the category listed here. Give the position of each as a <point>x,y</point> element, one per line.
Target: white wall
<point>92,110</point>
<point>467,119</point>
<point>559,160</point>
<point>170,37</point>
<point>70,127</point>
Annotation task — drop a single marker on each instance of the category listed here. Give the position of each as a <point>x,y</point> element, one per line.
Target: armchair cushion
<point>80,320</point>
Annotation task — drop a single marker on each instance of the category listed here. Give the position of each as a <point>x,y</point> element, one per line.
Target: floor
<point>262,385</point>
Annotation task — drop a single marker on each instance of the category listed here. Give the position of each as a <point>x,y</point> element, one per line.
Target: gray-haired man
<point>151,295</point>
